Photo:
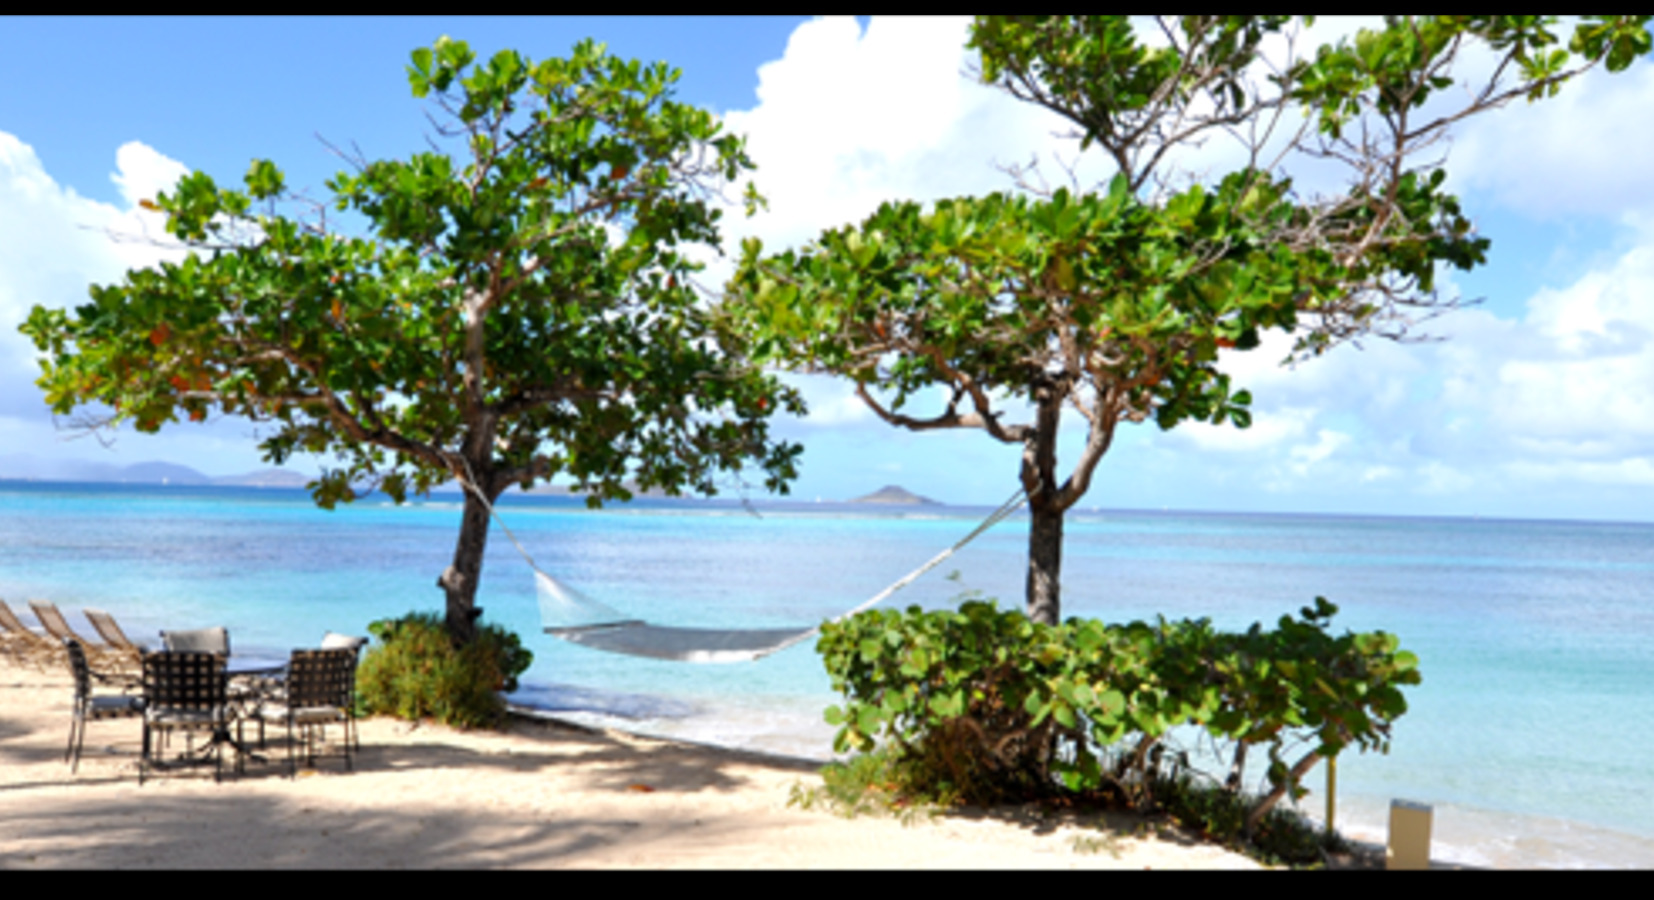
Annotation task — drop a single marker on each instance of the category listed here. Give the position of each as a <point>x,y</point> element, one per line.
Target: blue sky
<point>1537,404</point>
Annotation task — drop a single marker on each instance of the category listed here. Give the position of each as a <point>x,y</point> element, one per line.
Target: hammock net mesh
<point>574,617</point>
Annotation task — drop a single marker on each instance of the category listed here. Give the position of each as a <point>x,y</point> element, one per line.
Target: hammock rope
<point>617,633</point>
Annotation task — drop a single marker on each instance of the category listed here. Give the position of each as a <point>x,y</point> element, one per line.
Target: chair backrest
<point>10,622</point>
<point>200,640</point>
<point>185,680</point>
<point>109,629</point>
<point>51,620</point>
<point>321,678</point>
<point>23,634</point>
<point>79,666</point>
<point>335,641</point>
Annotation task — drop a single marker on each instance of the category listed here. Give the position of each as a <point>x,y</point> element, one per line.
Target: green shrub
<point>984,706</point>
<point>415,672</point>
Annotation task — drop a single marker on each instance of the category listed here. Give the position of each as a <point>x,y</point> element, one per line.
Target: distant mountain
<point>896,495</point>
<point>161,473</point>
<point>34,468</point>
<point>267,478</point>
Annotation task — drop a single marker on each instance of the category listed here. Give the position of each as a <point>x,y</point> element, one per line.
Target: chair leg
<point>80,744</point>
<point>69,755</point>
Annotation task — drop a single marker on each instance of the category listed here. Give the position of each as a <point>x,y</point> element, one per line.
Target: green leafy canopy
<point>519,301</point>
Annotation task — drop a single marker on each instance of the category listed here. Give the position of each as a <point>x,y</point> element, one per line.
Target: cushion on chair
<point>335,641</point>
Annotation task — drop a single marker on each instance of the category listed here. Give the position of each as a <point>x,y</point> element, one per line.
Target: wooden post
<point>1332,790</point>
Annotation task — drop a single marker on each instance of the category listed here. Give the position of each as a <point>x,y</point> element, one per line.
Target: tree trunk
<point>460,580</point>
<point>1039,479</point>
<point>1045,563</point>
<point>1269,800</point>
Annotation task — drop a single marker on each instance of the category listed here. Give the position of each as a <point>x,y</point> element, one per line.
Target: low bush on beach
<point>415,672</point>
<point>983,706</point>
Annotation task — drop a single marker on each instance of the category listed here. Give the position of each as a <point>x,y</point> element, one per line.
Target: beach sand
<point>539,795</point>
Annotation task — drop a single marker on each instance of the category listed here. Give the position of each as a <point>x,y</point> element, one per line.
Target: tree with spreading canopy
<point>1120,303</point>
<point>523,313</point>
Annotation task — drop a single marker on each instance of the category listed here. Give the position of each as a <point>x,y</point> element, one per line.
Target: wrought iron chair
<point>89,705</point>
<point>185,691</point>
<point>275,692</point>
<point>333,641</point>
<point>199,640</point>
<point>319,690</point>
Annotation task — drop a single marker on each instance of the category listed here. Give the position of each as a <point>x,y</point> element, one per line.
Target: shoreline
<point>540,794</point>
<point>1464,837</point>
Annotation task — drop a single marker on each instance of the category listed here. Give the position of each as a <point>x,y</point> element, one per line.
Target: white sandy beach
<point>539,795</point>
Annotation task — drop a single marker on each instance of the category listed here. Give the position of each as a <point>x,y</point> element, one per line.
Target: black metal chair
<point>185,691</point>
<point>91,706</point>
<point>334,641</point>
<point>319,691</point>
<point>199,640</point>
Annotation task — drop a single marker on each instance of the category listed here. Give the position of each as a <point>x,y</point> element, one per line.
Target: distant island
<point>25,467</point>
<point>893,494</point>
<point>22,467</point>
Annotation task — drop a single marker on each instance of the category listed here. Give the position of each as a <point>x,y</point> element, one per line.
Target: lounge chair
<point>25,644</point>
<point>101,655</point>
<point>185,691</point>
<point>89,705</point>
<point>318,692</point>
<point>115,638</point>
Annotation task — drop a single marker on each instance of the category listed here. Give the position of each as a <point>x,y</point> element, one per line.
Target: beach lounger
<point>116,638</point>
<point>25,644</point>
<point>102,656</point>
<point>91,706</point>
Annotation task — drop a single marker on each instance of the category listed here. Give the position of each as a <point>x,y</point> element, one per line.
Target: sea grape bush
<point>416,672</point>
<point>983,705</point>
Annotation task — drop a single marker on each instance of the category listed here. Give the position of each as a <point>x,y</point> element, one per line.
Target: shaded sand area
<point>541,795</point>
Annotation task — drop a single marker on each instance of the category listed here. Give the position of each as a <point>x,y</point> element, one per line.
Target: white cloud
<point>832,402</point>
<point>1327,442</point>
<point>142,173</point>
<point>1274,428</point>
<point>1562,395</point>
<point>1582,152</point>
<point>850,118</point>
<point>54,244</point>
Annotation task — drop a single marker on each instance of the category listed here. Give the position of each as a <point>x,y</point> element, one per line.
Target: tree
<point>525,314</point>
<point>1118,303</point>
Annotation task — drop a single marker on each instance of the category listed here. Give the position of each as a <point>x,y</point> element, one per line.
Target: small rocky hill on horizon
<point>895,494</point>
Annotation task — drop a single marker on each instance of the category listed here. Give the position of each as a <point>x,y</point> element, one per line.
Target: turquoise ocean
<point>1532,735</point>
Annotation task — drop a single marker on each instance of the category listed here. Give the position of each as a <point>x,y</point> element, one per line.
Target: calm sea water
<point>1532,735</point>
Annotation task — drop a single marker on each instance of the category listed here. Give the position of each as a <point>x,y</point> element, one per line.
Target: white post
<point>1409,836</point>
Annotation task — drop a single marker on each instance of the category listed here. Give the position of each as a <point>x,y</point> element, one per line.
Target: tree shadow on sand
<point>182,820</point>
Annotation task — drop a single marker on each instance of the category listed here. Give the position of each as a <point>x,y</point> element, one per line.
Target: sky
<point>1538,402</point>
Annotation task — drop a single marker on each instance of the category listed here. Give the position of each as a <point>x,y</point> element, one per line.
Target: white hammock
<point>603,628</point>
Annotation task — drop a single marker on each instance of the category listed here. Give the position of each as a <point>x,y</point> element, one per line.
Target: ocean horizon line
<point>779,503</point>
